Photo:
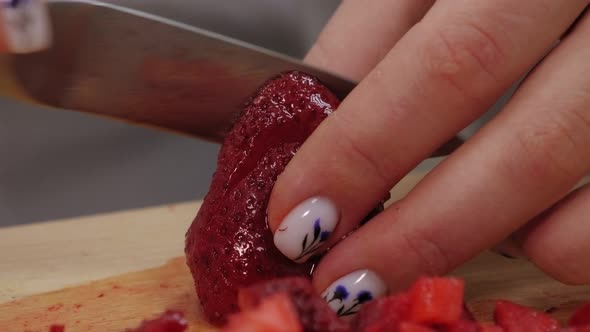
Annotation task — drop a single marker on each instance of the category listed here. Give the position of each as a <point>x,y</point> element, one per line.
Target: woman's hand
<point>24,26</point>
<point>428,70</point>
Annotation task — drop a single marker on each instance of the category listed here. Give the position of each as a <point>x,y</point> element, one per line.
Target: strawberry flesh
<point>516,318</point>
<point>314,313</point>
<point>229,244</point>
<point>581,317</point>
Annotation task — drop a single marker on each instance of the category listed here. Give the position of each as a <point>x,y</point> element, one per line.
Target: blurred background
<point>59,164</point>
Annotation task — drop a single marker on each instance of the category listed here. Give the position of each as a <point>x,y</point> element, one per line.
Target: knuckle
<point>432,256</point>
<point>461,53</point>
<point>375,166</point>
<point>550,150</point>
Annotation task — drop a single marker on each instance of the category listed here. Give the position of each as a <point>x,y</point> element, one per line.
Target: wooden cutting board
<point>108,272</point>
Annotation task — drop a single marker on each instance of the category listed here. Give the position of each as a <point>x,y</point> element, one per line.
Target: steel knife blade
<point>136,67</point>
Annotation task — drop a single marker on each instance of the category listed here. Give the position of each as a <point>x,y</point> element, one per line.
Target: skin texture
<point>441,74</point>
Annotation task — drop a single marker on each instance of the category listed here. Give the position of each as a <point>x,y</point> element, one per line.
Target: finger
<point>24,26</point>
<point>442,75</point>
<point>558,241</point>
<point>360,33</point>
<point>511,247</point>
<point>524,160</point>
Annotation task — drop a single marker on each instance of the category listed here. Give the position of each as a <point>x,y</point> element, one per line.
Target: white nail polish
<point>26,25</point>
<point>306,228</point>
<point>347,295</point>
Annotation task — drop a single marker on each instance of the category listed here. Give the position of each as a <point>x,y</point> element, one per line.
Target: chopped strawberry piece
<point>314,313</point>
<point>581,317</point>
<point>412,327</point>
<point>462,326</point>
<point>576,329</point>
<point>436,300</point>
<point>515,318</point>
<point>274,314</point>
<point>383,315</point>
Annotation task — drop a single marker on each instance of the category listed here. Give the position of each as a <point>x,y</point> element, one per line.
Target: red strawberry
<point>275,313</point>
<point>516,318</point>
<point>229,244</point>
<point>314,313</point>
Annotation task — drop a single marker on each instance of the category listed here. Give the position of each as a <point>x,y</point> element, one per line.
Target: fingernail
<point>306,228</point>
<point>26,25</point>
<point>347,295</point>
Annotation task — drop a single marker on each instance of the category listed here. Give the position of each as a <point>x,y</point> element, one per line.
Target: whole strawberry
<point>229,245</point>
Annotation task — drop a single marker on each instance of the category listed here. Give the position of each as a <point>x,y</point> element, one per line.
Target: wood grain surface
<point>108,272</point>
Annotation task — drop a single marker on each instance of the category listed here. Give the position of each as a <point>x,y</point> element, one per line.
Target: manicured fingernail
<point>26,25</point>
<point>347,295</point>
<point>306,228</point>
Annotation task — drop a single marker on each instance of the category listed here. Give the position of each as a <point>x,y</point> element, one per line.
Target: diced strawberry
<point>576,329</point>
<point>461,326</point>
<point>274,314</point>
<point>314,313</point>
<point>436,300</point>
<point>383,315</point>
<point>516,318</point>
<point>581,317</point>
<point>412,327</point>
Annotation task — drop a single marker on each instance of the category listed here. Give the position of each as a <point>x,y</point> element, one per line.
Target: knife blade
<point>136,67</point>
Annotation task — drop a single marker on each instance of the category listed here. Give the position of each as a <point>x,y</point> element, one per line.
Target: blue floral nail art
<point>313,243</point>
<point>341,294</point>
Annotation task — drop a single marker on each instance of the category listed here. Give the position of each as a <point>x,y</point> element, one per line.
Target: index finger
<point>443,74</point>
<point>360,33</point>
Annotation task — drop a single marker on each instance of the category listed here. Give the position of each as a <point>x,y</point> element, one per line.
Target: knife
<point>136,67</point>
